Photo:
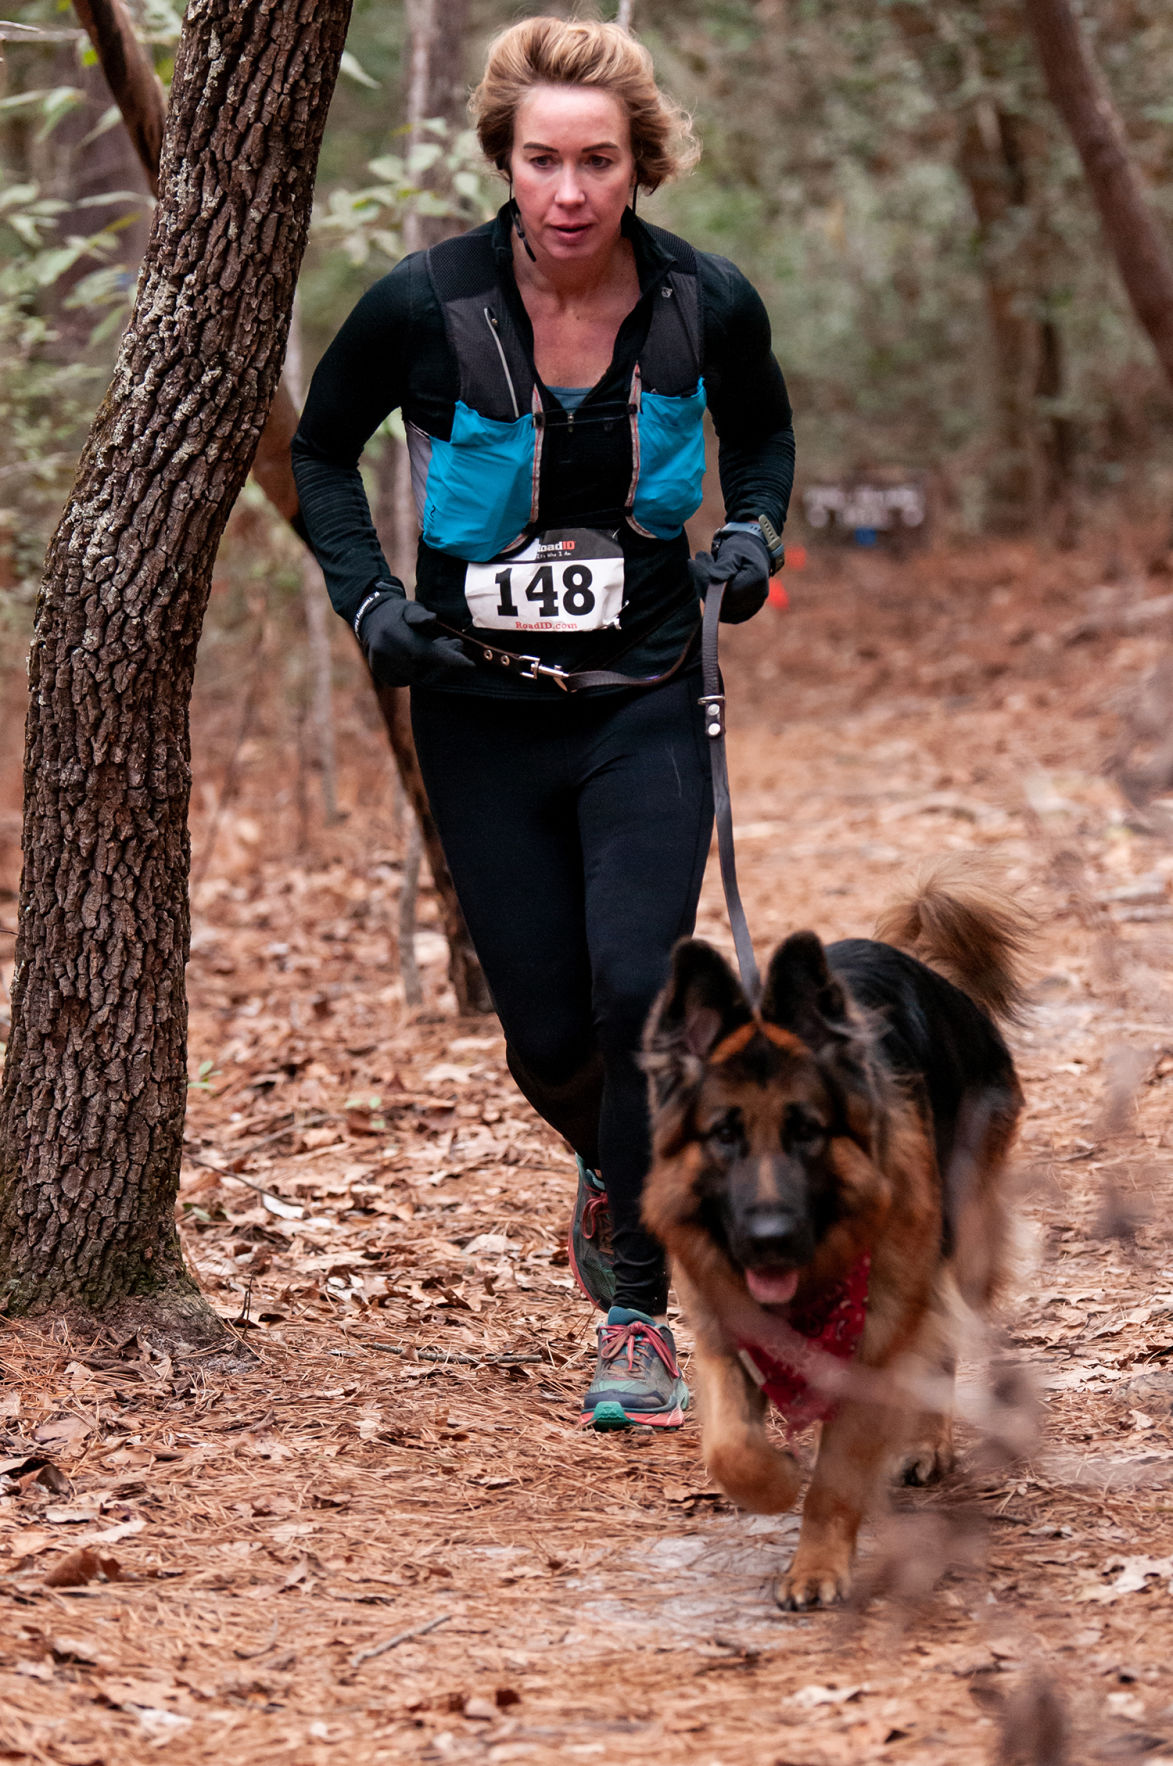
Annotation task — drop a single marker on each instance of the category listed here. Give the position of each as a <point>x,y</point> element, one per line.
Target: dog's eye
<point>801,1129</point>
<point>726,1136</point>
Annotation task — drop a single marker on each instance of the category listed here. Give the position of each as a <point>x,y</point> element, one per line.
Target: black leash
<point>713,701</point>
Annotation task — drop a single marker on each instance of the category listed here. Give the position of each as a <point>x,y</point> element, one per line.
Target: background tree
<point>972,66</point>
<point>833,173</point>
<point>436,92</point>
<point>1083,99</point>
<point>435,81</point>
<point>94,1085</point>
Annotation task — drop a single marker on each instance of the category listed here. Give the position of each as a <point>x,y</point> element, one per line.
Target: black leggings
<point>577,833</point>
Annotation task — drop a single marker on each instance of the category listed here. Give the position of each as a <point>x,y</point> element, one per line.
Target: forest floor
<point>385,1538</point>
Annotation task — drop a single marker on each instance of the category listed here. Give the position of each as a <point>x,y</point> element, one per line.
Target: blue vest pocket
<point>480,485</point>
<point>671,461</point>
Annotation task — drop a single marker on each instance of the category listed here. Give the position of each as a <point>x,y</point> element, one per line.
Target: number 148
<point>577,595</point>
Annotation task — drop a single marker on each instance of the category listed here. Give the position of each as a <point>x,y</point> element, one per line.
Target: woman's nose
<point>569,187</point>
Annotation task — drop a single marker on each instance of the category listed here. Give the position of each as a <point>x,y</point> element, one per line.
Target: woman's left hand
<point>742,563</point>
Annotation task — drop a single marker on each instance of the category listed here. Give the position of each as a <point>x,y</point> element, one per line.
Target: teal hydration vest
<point>478,492</point>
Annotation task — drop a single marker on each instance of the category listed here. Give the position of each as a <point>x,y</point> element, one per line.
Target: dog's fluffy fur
<point>867,1104</point>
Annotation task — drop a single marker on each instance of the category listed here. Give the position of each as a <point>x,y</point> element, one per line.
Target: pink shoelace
<point>592,1224</point>
<point>636,1337</point>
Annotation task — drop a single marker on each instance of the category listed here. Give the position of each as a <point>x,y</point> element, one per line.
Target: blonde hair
<point>577,52</point>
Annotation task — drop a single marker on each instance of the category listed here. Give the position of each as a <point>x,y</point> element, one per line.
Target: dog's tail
<point>973,934</point>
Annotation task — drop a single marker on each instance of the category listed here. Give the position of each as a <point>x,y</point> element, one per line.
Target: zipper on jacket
<point>491,320</point>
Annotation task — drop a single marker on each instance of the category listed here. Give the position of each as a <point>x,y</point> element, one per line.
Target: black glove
<point>742,563</point>
<point>398,639</point>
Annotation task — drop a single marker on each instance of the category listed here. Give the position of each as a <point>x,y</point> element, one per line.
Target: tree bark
<point>139,95</point>
<point>468,981</point>
<point>319,656</point>
<point>435,80</point>
<point>136,87</point>
<point>1059,437</point>
<point>1081,96</point>
<point>435,88</point>
<point>94,1087</point>
<point>992,163</point>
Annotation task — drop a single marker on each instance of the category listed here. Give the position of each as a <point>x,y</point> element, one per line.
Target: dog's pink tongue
<point>771,1290</point>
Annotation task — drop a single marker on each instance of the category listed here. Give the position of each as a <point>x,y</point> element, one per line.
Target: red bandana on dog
<point>832,1323</point>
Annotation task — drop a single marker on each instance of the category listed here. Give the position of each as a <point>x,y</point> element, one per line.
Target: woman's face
<point>572,169</point>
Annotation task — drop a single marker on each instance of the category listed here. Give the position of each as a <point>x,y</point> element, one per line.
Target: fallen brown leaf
<point>82,1567</point>
<point>63,1431</point>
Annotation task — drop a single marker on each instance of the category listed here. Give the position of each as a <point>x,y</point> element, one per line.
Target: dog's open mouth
<point>772,1287</point>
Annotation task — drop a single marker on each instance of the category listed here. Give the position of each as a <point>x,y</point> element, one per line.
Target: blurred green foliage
<point>368,222</point>
<point>46,397</point>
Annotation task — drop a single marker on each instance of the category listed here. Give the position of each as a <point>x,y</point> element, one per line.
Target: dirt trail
<point>403,1453</point>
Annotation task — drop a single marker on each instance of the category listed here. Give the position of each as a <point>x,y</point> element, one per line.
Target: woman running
<point>553,368</point>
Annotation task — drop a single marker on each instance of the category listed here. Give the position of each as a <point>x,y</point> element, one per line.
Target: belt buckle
<point>538,667</point>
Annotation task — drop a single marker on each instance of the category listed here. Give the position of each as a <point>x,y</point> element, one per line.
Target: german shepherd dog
<point>830,1166</point>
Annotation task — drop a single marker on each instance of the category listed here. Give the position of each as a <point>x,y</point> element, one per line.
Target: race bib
<point>567,580</point>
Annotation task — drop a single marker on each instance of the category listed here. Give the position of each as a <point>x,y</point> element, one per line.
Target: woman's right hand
<point>400,640</point>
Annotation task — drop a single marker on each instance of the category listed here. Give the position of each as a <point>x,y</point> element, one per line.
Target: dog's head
<point>766,1125</point>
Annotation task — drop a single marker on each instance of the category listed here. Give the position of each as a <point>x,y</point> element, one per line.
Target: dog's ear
<point>801,994</point>
<point>702,1003</point>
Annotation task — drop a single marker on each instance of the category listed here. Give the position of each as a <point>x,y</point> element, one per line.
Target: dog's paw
<point>816,1585</point>
<point>761,1480</point>
<point>927,1463</point>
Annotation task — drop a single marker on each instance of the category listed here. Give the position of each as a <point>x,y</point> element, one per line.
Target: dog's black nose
<point>775,1235</point>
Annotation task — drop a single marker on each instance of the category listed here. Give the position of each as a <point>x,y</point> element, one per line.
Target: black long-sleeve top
<point>393,352</point>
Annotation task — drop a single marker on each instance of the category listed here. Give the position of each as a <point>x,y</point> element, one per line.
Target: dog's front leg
<point>855,1450</point>
<point>736,1448</point>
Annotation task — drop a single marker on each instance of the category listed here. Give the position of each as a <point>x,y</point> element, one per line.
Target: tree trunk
<point>435,88</point>
<point>1059,438</point>
<point>132,80</point>
<point>94,1087</point>
<point>435,79</point>
<point>992,162</point>
<point>1081,96</point>
<point>468,981</point>
<point>319,656</point>
<point>139,95</point>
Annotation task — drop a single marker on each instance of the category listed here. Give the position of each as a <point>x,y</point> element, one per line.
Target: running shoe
<point>637,1382</point>
<point>589,1242</point>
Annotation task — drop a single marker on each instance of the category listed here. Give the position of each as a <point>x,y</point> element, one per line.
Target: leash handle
<point>713,701</point>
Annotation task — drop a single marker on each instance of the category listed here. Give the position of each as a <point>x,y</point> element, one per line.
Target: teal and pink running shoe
<point>589,1242</point>
<point>637,1382</point>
